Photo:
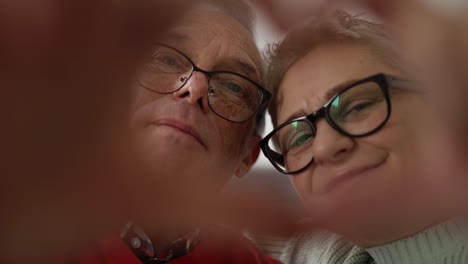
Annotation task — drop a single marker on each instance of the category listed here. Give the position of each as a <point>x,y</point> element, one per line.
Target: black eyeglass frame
<point>265,99</point>
<point>384,81</point>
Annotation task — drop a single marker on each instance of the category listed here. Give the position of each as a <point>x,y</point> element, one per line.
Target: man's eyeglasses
<point>358,110</point>
<point>231,96</point>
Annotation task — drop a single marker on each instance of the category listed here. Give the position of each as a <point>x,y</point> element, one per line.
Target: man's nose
<point>329,145</point>
<point>195,90</point>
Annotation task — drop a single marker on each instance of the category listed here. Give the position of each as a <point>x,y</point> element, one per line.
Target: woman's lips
<point>181,126</point>
<point>346,175</point>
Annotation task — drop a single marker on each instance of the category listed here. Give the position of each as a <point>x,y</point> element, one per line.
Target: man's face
<point>179,130</point>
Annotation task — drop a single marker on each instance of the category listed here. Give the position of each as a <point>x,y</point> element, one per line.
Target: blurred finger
<point>67,163</point>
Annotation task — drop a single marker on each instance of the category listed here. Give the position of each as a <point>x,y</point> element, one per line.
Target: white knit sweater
<point>443,244</point>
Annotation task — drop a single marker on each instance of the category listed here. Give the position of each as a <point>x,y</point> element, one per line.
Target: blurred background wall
<point>263,178</point>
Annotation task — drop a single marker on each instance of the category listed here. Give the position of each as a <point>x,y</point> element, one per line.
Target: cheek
<point>302,183</point>
<point>234,138</point>
<point>141,97</point>
<point>408,128</point>
<point>404,134</point>
<point>404,145</point>
<point>142,106</point>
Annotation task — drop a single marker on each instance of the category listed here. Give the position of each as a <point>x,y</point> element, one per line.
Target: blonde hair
<point>340,28</point>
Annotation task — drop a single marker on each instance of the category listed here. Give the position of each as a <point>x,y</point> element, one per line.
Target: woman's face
<point>366,179</point>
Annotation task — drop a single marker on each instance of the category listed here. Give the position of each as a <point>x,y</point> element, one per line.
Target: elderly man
<point>196,109</point>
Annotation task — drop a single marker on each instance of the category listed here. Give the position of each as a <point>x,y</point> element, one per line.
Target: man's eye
<point>169,63</point>
<point>234,87</point>
<point>167,60</point>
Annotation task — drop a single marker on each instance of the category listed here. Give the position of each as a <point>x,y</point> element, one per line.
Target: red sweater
<point>239,251</point>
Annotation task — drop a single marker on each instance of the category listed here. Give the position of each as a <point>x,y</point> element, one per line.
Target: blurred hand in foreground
<point>67,173</point>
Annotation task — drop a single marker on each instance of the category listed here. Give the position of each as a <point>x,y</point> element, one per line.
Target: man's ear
<point>250,156</point>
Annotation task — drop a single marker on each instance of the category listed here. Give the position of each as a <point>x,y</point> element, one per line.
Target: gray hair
<point>340,28</point>
<point>238,9</point>
<point>242,13</point>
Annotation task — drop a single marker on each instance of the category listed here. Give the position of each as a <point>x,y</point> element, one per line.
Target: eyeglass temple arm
<point>277,158</point>
<point>399,83</point>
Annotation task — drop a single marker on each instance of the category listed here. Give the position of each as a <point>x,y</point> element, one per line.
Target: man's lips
<point>181,126</point>
<point>346,175</point>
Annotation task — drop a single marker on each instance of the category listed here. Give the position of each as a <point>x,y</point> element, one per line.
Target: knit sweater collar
<point>445,243</point>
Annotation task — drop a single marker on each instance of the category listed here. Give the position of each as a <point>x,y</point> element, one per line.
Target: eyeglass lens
<point>230,95</point>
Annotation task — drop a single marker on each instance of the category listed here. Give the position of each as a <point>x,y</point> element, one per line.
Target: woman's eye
<point>349,109</point>
<point>299,140</point>
<point>359,107</point>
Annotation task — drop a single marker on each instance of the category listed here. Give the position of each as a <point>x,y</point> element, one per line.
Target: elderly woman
<point>350,130</point>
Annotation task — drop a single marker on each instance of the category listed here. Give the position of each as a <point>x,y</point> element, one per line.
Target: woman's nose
<point>329,145</point>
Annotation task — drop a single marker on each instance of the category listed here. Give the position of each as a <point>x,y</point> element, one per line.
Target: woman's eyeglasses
<point>358,110</point>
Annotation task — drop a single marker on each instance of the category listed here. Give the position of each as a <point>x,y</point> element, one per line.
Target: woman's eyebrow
<point>326,97</point>
<point>336,89</point>
<point>298,113</point>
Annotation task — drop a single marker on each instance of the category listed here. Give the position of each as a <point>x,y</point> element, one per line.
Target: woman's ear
<point>250,156</point>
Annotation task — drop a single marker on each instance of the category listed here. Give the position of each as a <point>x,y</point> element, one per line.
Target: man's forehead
<point>203,25</point>
<point>238,54</point>
<point>204,32</point>
<point>176,36</point>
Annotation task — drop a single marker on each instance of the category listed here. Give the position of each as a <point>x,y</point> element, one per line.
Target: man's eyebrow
<point>174,35</point>
<point>245,68</point>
